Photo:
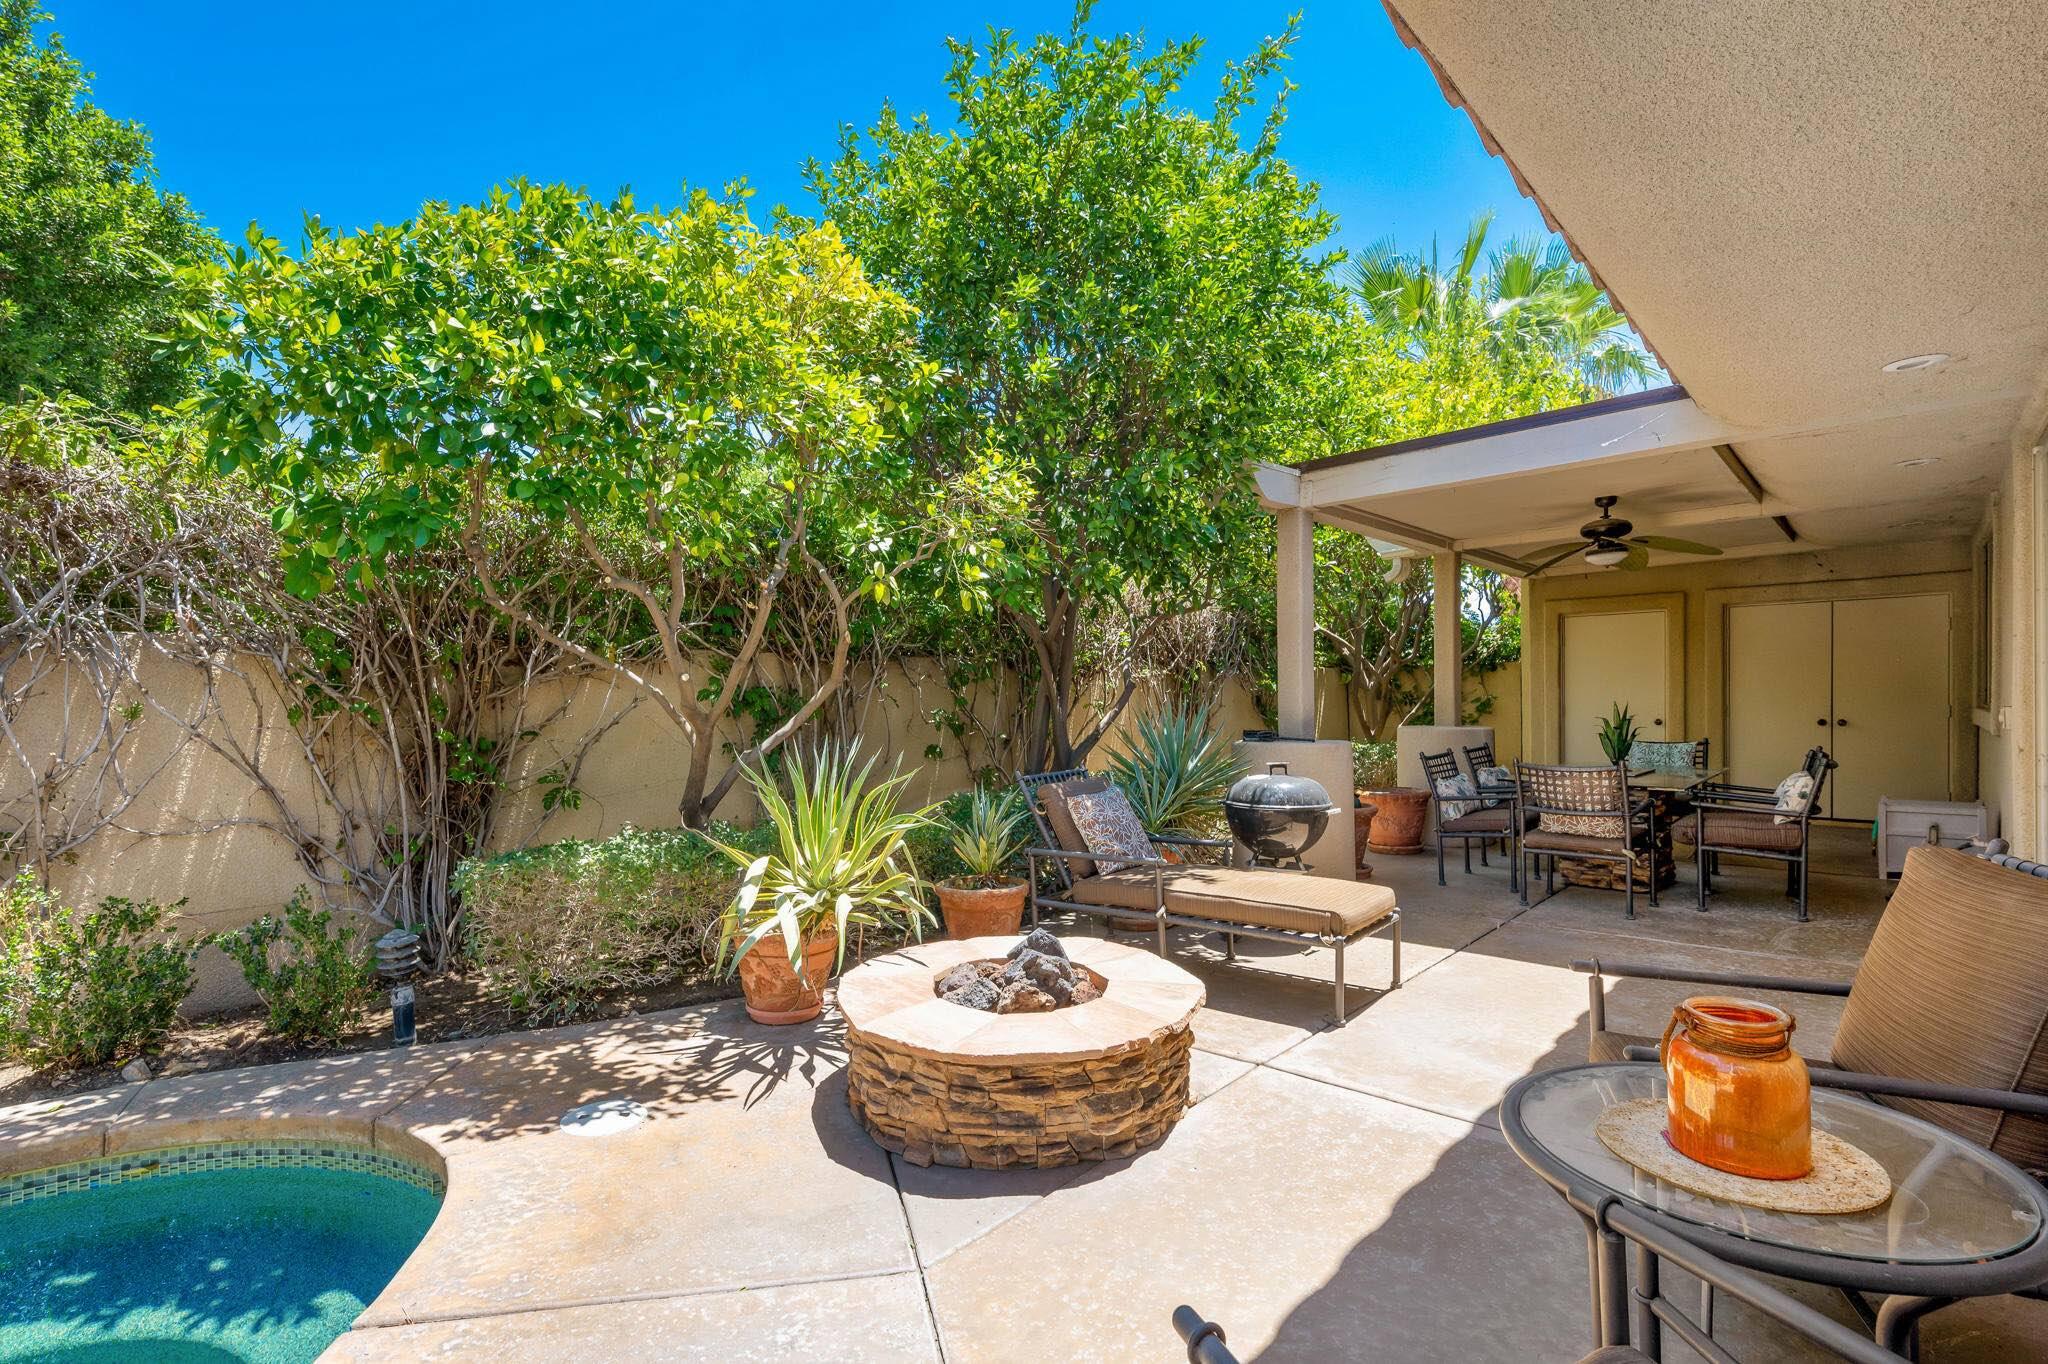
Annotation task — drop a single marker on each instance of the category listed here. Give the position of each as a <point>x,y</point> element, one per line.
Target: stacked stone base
<point>1008,1115</point>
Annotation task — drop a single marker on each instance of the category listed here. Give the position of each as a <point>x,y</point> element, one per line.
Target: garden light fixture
<point>398,960</point>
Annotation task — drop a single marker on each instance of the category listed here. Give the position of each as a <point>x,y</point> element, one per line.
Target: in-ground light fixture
<point>398,960</point>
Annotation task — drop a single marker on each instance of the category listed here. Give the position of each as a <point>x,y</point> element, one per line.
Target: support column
<point>1295,611</point>
<point>1449,641</point>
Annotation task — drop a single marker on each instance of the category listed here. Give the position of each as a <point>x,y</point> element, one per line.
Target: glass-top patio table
<point>1961,1222</point>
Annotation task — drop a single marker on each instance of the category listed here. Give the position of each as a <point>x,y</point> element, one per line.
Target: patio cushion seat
<point>1247,895</point>
<point>1544,840</point>
<point>1742,829</point>
<point>1488,821</point>
<point>1954,989</point>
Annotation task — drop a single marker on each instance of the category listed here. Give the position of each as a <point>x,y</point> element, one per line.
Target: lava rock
<point>974,993</point>
<point>965,973</point>
<point>1039,940</point>
<point>1025,998</point>
<point>1084,990</point>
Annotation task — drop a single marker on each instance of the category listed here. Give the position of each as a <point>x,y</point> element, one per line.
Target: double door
<point>1866,677</point>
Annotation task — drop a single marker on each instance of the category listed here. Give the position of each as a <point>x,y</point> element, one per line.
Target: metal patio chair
<point>1576,810</point>
<point>1746,820</point>
<point>1486,822</point>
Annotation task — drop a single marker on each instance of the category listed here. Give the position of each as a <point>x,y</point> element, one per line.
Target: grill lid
<point>1275,789</point>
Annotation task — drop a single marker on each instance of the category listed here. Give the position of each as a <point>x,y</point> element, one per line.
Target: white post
<point>1450,682</point>
<point>1295,611</point>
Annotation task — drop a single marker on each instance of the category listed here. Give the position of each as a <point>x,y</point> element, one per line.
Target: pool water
<point>266,1264</point>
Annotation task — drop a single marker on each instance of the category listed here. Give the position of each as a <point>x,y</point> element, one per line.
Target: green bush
<point>555,927</point>
<point>930,845</point>
<point>1372,764</point>
<point>313,978</point>
<point>84,986</point>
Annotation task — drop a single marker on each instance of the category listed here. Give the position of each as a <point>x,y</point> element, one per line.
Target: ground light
<point>398,959</point>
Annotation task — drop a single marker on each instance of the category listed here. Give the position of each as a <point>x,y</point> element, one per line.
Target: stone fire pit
<point>940,1083</point>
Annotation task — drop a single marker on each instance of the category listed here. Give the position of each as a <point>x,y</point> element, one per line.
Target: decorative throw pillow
<point>1460,785</point>
<point>1793,793</point>
<point>1108,824</point>
<point>1660,756</point>
<point>1495,776</point>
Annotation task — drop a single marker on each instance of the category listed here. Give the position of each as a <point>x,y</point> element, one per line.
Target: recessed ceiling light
<point>1920,463</point>
<point>1913,362</point>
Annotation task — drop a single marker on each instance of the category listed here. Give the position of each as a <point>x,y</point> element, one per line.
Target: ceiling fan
<point>1606,543</point>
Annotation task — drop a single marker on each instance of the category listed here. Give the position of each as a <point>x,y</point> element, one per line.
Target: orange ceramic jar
<point>1739,1096</point>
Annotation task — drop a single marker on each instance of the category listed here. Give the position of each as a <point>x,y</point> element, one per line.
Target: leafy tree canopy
<point>1127,298</point>
<point>87,240</point>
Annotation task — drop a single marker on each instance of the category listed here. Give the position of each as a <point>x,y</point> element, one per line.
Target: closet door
<point>1609,658</point>
<point>1891,721</point>
<point>1778,696</point>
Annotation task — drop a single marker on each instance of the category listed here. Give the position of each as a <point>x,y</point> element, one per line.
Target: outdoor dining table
<point>1960,1223</point>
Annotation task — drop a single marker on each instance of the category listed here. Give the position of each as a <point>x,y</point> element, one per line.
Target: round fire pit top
<point>1144,999</point>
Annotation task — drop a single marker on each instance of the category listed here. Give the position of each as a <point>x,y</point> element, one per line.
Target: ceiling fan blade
<point>1568,547</point>
<point>1638,557</point>
<point>1665,542</point>
<point>1555,560</point>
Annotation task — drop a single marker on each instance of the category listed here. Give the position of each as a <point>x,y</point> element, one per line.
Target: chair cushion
<point>1589,790</point>
<point>1108,824</point>
<point>1546,840</point>
<point>1491,820</point>
<point>1053,800</point>
<point>1742,829</point>
<point>1954,988</point>
<point>1248,895</point>
<point>1663,756</point>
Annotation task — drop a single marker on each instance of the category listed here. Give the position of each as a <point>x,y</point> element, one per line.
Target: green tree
<point>1534,309</point>
<point>714,418</point>
<point>87,240</point>
<point>1127,298</point>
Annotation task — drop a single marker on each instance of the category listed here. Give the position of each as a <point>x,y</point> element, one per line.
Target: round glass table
<point>1961,1222</point>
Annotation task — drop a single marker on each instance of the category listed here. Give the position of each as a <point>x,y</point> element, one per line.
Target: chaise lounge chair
<point>1163,891</point>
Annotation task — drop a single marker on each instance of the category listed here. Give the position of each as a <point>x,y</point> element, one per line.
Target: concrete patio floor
<point>1334,1194</point>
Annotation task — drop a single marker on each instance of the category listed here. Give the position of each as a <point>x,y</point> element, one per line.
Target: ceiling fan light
<point>1606,556</point>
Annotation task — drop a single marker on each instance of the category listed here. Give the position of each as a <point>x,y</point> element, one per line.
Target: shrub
<point>930,844</point>
<point>312,977</point>
<point>1177,771</point>
<point>83,986</point>
<point>1373,766</point>
<point>555,927</point>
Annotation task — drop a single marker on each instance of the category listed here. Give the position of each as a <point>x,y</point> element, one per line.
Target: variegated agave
<point>840,858</point>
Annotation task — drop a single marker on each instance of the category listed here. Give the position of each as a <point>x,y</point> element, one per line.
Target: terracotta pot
<point>774,993</point>
<point>1361,822</point>
<point>1739,1095</point>
<point>1397,825</point>
<point>977,912</point>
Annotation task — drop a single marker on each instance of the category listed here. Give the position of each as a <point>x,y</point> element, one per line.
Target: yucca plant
<point>1618,733</point>
<point>839,859</point>
<point>988,836</point>
<point>1177,771</point>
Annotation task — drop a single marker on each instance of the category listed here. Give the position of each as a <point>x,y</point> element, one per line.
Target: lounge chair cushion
<point>1053,800</point>
<point>1742,829</point>
<point>1238,895</point>
<point>1492,820</point>
<point>1954,989</point>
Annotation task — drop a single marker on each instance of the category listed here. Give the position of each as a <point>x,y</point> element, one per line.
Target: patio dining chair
<point>1947,1018</point>
<point>1479,761</point>
<point>1460,814</point>
<point>1775,823</point>
<point>1585,813</point>
<point>1653,1245</point>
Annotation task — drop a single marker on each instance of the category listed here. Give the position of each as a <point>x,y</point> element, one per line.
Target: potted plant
<point>1397,813</point>
<point>986,901</point>
<point>1618,734</point>
<point>1176,771</point>
<point>839,860</point>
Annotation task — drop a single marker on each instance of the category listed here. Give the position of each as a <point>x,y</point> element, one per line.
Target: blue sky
<point>358,112</point>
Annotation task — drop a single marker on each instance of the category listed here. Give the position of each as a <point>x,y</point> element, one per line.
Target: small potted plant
<point>839,860</point>
<point>986,900</point>
<point>1618,734</point>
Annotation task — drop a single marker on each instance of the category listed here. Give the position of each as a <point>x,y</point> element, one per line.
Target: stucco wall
<point>2010,771</point>
<point>1703,589</point>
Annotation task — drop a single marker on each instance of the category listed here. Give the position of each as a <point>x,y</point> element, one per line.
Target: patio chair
<point>1474,820</point>
<point>1947,1018</point>
<point>1652,1312</point>
<point>1155,892</point>
<point>1750,821</point>
<point>1582,813</point>
<point>1479,759</point>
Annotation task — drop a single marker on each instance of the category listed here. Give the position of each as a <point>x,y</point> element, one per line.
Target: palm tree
<point>1534,302</point>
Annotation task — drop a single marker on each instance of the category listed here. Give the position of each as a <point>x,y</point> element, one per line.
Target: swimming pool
<point>205,1254</point>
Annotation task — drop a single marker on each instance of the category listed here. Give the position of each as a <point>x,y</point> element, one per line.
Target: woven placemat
<point>1844,1179</point>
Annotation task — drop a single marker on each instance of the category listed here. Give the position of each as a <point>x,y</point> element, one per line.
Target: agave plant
<point>1176,771</point>
<point>990,834</point>
<point>1618,733</point>
<point>840,858</point>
